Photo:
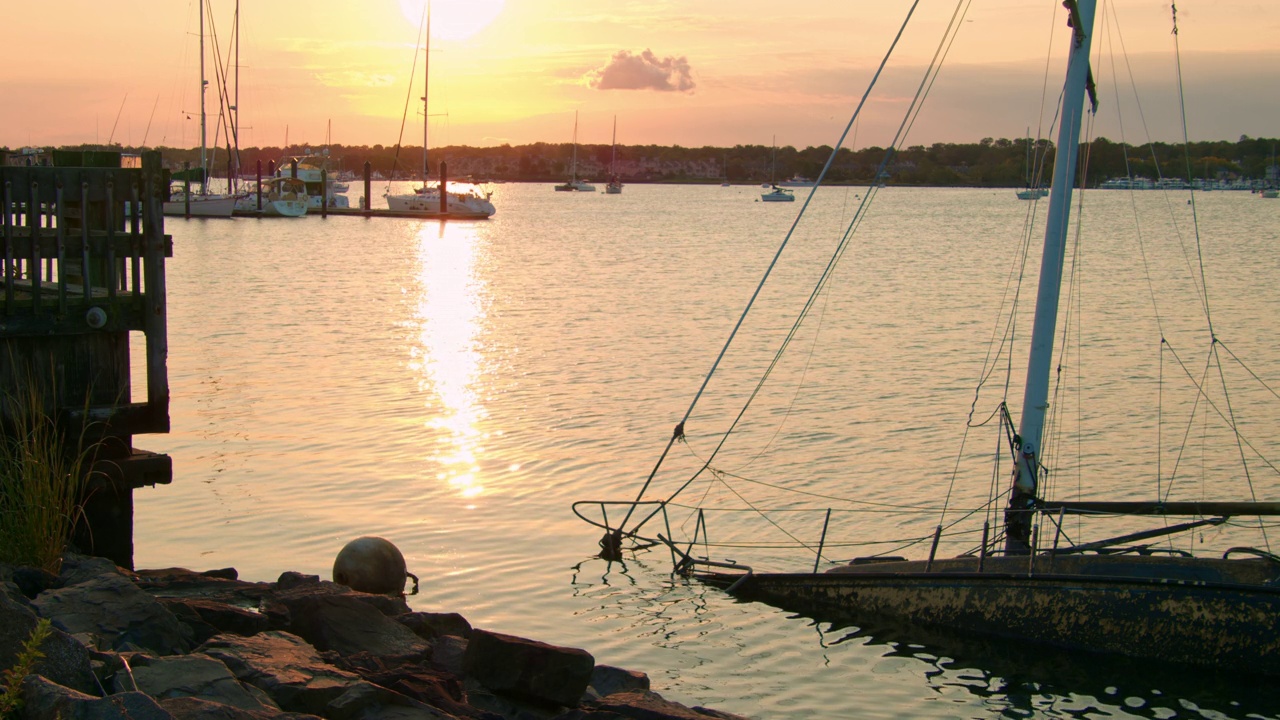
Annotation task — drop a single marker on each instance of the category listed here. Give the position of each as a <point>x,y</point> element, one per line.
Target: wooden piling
<point>368,177</point>
<point>79,278</point>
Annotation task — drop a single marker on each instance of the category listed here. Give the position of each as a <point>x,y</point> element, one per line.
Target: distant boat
<point>281,197</point>
<point>796,181</point>
<point>202,203</point>
<point>1031,192</point>
<point>777,194</point>
<point>426,199</point>
<point>314,172</point>
<point>574,184</point>
<point>615,185</point>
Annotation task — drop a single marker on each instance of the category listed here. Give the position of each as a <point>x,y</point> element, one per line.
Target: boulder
<point>198,676</point>
<point>189,708</point>
<point>116,614</point>
<point>429,625</point>
<point>349,624</point>
<point>607,680</point>
<point>649,705</point>
<point>285,666</point>
<point>528,669</point>
<point>65,662</point>
<point>211,617</point>
<point>46,700</point>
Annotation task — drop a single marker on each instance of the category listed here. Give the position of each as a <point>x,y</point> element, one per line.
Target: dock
<point>84,277</point>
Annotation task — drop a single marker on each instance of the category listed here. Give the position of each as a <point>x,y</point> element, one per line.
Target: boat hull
<point>458,206</point>
<point>202,206</point>
<point>1126,606</point>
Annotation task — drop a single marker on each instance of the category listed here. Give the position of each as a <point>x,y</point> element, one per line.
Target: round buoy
<point>371,565</point>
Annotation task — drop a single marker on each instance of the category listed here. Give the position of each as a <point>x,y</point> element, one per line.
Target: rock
<point>33,581</point>
<point>198,676</point>
<point>607,680</point>
<point>46,700</point>
<point>528,669</point>
<point>289,580</point>
<point>80,568</point>
<point>116,613</point>
<point>367,701</point>
<point>348,624</point>
<point>436,687</point>
<point>65,662</point>
<point>217,617</point>
<point>372,565</point>
<point>449,652</point>
<point>188,708</point>
<point>428,625</point>
<point>649,705</point>
<point>283,665</point>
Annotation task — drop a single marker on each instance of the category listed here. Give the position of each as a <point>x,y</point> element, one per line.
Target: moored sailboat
<point>437,200</point>
<point>574,184</point>
<point>1033,578</point>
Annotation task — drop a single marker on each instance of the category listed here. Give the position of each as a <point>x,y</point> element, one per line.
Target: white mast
<point>426,77</point>
<point>573,168</point>
<point>204,171</point>
<point>1035,400</point>
<point>613,155</point>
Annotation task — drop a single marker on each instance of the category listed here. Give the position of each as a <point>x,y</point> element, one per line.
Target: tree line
<point>990,162</point>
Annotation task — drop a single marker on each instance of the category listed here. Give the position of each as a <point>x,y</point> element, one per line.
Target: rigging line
<point>1209,402</point>
<point>820,496</point>
<point>1042,153</point>
<point>1244,463</point>
<point>1247,369</point>
<point>1186,143</point>
<point>679,432</point>
<point>404,116</point>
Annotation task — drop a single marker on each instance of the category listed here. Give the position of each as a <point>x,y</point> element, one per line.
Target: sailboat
<point>777,194</point>
<point>202,203</point>
<point>437,200</point>
<point>1032,192</point>
<point>615,185</point>
<point>1032,579</point>
<point>574,184</point>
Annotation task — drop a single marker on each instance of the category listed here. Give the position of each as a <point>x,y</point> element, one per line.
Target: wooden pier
<point>83,276</point>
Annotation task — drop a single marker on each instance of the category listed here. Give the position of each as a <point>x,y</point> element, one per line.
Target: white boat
<point>281,197</point>
<point>776,194</point>
<point>574,184</point>
<point>1040,573</point>
<point>201,203</point>
<point>428,198</point>
<point>1033,190</point>
<point>615,185</point>
<point>796,181</point>
<point>314,172</point>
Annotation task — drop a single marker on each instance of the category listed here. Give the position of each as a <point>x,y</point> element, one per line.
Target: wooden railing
<point>83,266</point>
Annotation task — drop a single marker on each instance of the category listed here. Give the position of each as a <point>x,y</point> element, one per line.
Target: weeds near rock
<point>42,481</point>
<point>24,665</point>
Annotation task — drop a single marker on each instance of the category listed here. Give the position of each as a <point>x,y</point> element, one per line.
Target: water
<point>454,388</point>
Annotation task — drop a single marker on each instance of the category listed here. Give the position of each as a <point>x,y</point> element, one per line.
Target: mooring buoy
<point>371,565</point>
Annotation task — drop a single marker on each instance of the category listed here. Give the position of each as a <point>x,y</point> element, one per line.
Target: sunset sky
<point>673,72</point>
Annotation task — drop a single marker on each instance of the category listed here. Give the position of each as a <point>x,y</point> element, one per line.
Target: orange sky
<point>713,72</point>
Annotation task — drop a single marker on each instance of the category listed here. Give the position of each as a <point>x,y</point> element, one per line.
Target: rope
<point>679,433</point>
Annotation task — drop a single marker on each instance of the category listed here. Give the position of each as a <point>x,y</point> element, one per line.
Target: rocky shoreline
<point>177,644</point>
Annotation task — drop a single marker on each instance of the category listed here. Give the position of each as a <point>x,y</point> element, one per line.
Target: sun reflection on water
<point>449,313</point>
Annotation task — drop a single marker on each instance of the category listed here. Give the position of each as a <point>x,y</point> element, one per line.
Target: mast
<point>204,172</point>
<point>1023,495</point>
<point>573,168</point>
<point>426,77</point>
<point>613,154</point>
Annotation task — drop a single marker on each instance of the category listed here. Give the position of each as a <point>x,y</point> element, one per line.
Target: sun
<point>453,19</point>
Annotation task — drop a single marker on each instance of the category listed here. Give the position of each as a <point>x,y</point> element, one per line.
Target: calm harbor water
<point>455,387</point>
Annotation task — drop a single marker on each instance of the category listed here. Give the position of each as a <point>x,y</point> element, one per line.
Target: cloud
<point>643,72</point>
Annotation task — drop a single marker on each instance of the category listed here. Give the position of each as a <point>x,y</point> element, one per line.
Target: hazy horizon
<point>716,74</point>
